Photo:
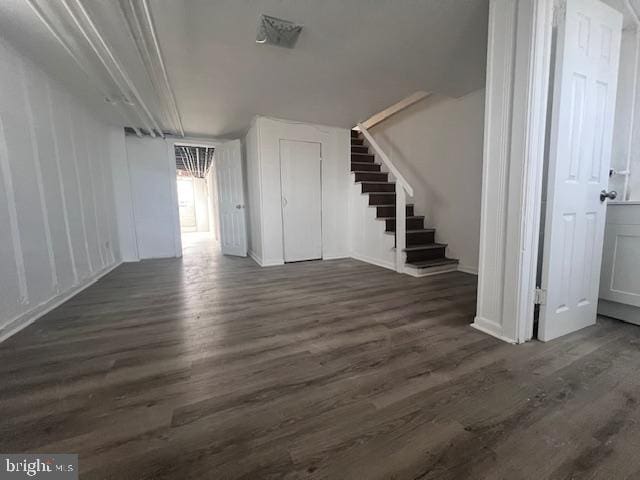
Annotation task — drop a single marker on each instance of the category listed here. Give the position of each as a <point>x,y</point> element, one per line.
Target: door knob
<point>238,207</point>
<point>610,195</point>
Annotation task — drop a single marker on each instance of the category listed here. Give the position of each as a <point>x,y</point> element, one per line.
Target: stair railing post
<point>403,188</point>
<point>401,230</point>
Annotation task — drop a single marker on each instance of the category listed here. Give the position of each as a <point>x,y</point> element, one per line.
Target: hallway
<point>212,367</point>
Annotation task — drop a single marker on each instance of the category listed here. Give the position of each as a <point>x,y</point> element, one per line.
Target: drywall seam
<point>74,148</point>
<point>38,171</point>
<point>56,153</point>
<point>13,218</point>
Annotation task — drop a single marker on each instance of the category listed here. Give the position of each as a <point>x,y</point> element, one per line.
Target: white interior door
<point>586,73</point>
<point>300,167</point>
<point>233,230</point>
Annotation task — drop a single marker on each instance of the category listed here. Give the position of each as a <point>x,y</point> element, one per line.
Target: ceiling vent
<point>275,31</point>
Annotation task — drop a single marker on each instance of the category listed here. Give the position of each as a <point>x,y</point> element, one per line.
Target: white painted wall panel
<point>72,199</point>
<point>153,179</point>
<point>22,170</point>
<point>56,195</point>
<point>39,104</point>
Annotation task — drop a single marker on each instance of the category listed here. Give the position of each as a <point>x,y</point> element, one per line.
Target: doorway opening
<point>197,195</point>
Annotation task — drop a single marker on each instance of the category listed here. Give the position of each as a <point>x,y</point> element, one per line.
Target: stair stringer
<point>368,241</point>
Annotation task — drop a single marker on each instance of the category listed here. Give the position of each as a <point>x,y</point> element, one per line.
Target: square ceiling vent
<point>276,31</point>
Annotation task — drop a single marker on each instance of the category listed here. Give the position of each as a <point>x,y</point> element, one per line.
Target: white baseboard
<point>465,269</point>
<point>27,318</point>
<point>264,263</point>
<point>335,257</point>
<point>255,257</point>
<point>374,261</point>
<point>490,328</point>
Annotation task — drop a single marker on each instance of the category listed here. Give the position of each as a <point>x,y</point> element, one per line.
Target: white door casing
<point>229,173</point>
<point>586,72</point>
<point>300,177</point>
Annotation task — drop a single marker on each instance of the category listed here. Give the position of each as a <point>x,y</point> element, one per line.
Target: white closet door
<point>300,167</point>
<point>580,154</point>
<point>228,167</point>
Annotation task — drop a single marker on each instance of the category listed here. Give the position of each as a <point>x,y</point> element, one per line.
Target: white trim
<point>335,257</point>
<point>255,257</point>
<point>27,318</point>
<point>465,269</point>
<point>530,147</point>
<point>491,328</point>
<point>518,66</point>
<point>374,261</point>
<point>274,262</point>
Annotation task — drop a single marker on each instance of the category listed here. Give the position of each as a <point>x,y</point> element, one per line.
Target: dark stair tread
<point>390,204</point>
<point>408,217</point>
<point>422,230</point>
<point>427,246</point>
<point>436,262</point>
<point>373,181</point>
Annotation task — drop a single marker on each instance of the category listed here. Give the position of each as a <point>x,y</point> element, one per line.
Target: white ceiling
<point>353,58</point>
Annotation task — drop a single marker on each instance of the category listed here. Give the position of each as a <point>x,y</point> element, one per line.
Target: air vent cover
<point>275,31</point>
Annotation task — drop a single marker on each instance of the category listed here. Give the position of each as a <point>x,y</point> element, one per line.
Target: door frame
<point>186,142</point>
<point>518,71</point>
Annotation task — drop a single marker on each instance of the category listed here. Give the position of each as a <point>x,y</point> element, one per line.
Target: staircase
<point>423,255</point>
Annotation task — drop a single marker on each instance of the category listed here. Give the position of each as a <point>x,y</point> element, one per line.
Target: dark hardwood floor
<point>214,368</point>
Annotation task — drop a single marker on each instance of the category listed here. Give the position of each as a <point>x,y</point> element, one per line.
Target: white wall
<point>57,220</point>
<point>262,145</point>
<point>437,145</point>
<point>153,189</point>
<point>201,197</point>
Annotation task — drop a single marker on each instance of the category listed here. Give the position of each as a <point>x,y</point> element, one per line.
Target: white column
<point>518,59</point>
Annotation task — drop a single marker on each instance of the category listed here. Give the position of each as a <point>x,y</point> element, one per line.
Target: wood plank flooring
<point>212,367</point>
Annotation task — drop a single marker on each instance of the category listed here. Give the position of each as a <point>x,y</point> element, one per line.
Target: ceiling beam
<point>85,69</point>
<point>130,85</point>
<point>144,37</point>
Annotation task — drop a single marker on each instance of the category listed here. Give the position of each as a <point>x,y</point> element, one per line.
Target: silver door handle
<point>610,195</point>
<point>239,206</point>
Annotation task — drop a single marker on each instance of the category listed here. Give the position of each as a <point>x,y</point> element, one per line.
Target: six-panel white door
<point>586,73</point>
<point>233,230</point>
